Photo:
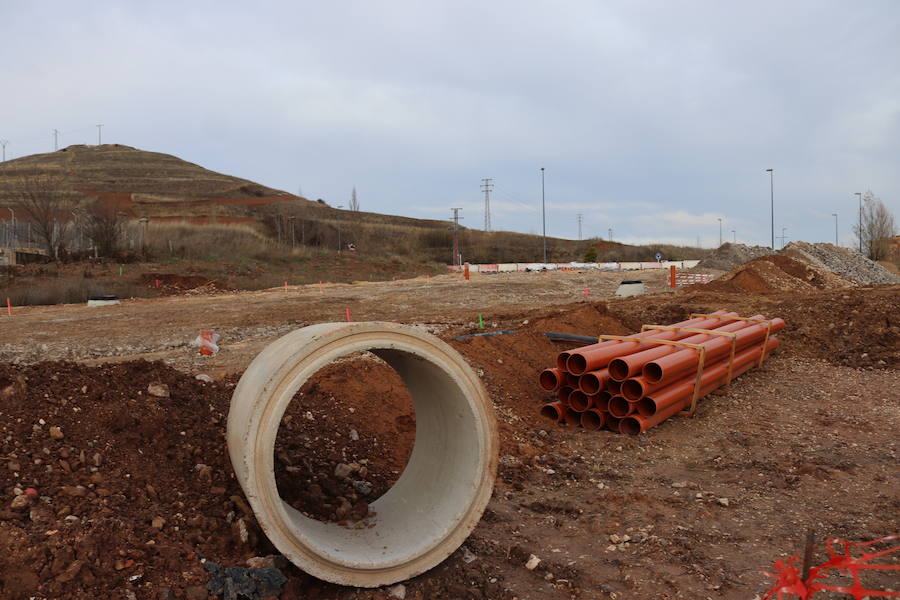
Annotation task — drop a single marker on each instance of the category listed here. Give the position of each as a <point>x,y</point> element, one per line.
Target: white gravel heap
<point>728,256</point>
<point>843,261</point>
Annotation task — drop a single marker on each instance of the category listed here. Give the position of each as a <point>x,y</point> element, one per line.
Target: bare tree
<point>877,227</point>
<point>354,203</point>
<point>105,227</point>
<point>44,203</point>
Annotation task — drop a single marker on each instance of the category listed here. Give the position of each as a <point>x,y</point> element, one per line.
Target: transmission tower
<point>580,218</point>
<point>456,219</point>
<point>486,185</point>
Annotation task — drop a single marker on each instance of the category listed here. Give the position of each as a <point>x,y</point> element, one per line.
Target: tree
<point>104,224</point>
<point>877,227</point>
<point>354,203</point>
<point>45,205</point>
<point>590,256</point>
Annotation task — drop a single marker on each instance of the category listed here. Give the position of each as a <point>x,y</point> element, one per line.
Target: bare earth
<point>694,508</point>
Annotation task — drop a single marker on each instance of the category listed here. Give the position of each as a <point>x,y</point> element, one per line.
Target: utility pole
<point>860,221</point>
<point>486,184</point>
<point>580,219</point>
<point>544,214</point>
<point>772,192</point>
<point>3,143</point>
<point>782,237</point>
<point>610,233</point>
<point>55,140</point>
<point>99,127</point>
<point>733,237</point>
<point>456,219</point>
<point>720,230</point>
<point>835,228</point>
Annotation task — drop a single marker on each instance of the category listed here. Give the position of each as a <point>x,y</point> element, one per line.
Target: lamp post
<point>772,193</point>
<point>835,228</point>
<point>733,237</point>
<point>544,214</point>
<point>859,233</point>
<point>720,230</point>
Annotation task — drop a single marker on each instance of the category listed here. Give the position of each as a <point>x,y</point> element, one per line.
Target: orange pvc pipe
<point>613,387</point>
<point>676,364</point>
<point>597,356</point>
<point>554,411</point>
<point>620,408</point>
<point>623,367</point>
<point>561,360</point>
<point>551,379</point>
<point>572,380</point>
<point>612,423</point>
<point>593,419</point>
<point>562,394</point>
<point>665,403</point>
<point>579,401</point>
<point>572,417</point>
<point>601,400</point>
<point>593,383</point>
<point>636,388</point>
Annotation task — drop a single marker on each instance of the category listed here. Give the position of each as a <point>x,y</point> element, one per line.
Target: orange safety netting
<point>789,583</point>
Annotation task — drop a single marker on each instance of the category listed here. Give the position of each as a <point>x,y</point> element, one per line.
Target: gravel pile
<point>843,261</point>
<point>728,256</point>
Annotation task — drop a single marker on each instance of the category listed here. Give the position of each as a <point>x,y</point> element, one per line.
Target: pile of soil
<point>776,272</point>
<point>171,284</point>
<point>847,263</point>
<point>132,481</point>
<point>728,256</point>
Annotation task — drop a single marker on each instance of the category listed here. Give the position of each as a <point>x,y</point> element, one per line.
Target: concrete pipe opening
<point>438,499</point>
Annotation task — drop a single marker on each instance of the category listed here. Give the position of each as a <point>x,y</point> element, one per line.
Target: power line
<point>486,185</point>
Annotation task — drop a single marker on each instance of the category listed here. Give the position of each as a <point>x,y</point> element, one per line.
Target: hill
<point>170,192</point>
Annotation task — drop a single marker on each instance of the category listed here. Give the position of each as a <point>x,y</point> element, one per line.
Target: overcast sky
<point>650,118</point>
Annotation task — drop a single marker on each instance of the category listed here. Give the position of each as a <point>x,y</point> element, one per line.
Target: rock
<point>203,377</point>
<point>679,484</point>
<point>342,470</point>
<point>56,433</point>
<point>78,491</point>
<point>14,466</point>
<point>723,501</point>
<point>615,539</point>
<point>158,523</point>
<point>21,502</point>
<point>362,487</point>
<point>71,572</point>
<point>397,591</point>
<point>354,435</point>
<point>532,563</point>
<point>159,390</point>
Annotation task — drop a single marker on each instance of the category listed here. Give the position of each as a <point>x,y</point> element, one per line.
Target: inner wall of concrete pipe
<point>434,492</point>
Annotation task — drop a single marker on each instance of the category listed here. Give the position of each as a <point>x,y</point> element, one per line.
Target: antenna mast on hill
<point>486,184</point>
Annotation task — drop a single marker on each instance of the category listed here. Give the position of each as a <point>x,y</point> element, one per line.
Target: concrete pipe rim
<point>443,490</point>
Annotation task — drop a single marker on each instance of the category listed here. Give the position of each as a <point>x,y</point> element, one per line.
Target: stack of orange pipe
<point>630,385</point>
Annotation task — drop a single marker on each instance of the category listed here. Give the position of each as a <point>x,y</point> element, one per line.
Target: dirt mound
<point>133,486</point>
<point>728,256</point>
<point>847,263</point>
<point>774,273</point>
<point>171,284</point>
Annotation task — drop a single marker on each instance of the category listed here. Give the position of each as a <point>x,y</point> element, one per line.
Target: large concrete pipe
<point>443,490</point>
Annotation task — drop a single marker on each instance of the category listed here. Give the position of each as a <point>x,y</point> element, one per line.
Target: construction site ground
<point>694,508</point>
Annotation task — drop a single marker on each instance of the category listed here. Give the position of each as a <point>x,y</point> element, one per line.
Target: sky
<point>650,119</point>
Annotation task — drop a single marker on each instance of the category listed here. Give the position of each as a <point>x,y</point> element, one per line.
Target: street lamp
<point>772,192</point>
<point>733,237</point>
<point>544,214</point>
<point>860,232</point>
<point>835,228</point>
<point>720,230</point>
